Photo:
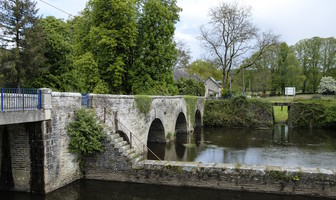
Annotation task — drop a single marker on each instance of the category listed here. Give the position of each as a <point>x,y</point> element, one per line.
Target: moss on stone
<point>191,108</point>
<point>143,103</point>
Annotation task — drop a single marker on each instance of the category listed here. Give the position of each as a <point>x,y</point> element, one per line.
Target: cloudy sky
<point>293,20</point>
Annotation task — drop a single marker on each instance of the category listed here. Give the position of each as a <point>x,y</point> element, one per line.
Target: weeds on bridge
<point>143,103</point>
<point>191,108</point>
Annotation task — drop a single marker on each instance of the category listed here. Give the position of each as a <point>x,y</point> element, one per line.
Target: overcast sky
<point>293,20</point>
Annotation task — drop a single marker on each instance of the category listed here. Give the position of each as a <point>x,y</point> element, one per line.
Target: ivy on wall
<point>191,108</point>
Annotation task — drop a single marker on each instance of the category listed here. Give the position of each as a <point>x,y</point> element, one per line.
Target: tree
<point>328,55</point>
<point>230,35</point>
<point>204,69</point>
<point>183,55</point>
<point>107,29</point>
<point>190,87</point>
<point>59,53</point>
<point>327,85</point>
<point>22,36</point>
<point>155,54</point>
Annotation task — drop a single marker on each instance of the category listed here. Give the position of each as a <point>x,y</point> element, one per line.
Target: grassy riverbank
<point>280,115</point>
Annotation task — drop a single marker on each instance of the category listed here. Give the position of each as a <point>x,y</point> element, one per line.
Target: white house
<point>212,88</point>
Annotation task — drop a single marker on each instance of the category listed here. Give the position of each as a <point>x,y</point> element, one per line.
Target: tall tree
<point>59,48</point>
<point>301,49</point>
<point>155,54</point>
<point>230,35</point>
<point>328,55</point>
<point>107,30</point>
<point>22,37</point>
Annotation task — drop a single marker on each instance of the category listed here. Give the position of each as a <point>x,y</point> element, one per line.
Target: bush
<point>327,85</point>
<point>190,87</point>
<point>86,134</point>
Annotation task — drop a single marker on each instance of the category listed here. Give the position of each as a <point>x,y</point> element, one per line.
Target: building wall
<point>211,87</point>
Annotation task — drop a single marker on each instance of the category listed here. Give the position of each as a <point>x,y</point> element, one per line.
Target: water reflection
<point>98,190</point>
<point>278,147</point>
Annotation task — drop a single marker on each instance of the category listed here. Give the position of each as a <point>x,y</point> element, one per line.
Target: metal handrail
<point>131,135</point>
<point>137,139</point>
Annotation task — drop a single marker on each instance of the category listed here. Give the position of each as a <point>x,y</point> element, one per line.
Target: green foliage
<point>191,108</point>
<point>238,112</point>
<point>190,87</point>
<point>319,114</point>
<point>155,52</point>
<point>86,134</point>
<point>143,103</point>
<point>327,85</point>
<point>280,114</point>
<point>22,37</point>
<point>204,69</point>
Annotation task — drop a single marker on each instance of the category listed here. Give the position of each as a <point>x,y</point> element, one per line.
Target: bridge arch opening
<point>198,118</point>
<point>156,132</point>
<point>124,136</point>
<point>181,124</point>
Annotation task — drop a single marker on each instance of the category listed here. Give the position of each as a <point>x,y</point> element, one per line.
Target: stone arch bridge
<point>166,117</point>
<point>34,154</point>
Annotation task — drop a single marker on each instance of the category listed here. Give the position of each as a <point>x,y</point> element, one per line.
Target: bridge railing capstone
<point>15,99</point>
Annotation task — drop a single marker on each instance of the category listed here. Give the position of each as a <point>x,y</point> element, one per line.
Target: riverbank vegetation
<point>280,114</point>
<point>238,112</point>
<point>318,114</point>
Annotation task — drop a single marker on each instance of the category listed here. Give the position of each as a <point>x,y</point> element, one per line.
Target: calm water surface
<point>97,190</point>
<point>278,147</point>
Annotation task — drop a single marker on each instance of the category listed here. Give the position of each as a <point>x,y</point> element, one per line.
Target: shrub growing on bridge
<point>86,134</point>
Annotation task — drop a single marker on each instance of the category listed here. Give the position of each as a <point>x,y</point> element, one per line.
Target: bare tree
<point>183,55</point>
<point>230,36</point>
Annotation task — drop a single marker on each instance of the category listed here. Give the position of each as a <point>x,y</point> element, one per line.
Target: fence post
<point>23,99</point>
<point>40,99</point>
<point>131,140</point>
<point>2,98</point>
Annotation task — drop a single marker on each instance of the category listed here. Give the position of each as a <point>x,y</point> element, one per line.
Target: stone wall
<point>20,155</point>
<point>277,180</point>
<point>61,165</point>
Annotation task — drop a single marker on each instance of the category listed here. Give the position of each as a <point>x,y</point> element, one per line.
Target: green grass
<point>280,116</point>
<point>301,97</point>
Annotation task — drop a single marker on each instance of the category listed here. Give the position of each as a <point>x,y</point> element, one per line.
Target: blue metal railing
<point>14,99</point>
<point>85,100</point>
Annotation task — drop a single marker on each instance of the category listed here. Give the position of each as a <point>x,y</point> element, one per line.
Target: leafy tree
<point>294,74</point>
<point>22,37</point>
<point>328,55</point>
<point>107,30</point>
<point>155,54</point>
<point>327,85</point>
<point>230,34</point>
<point>58,53</point>
<point>190,87</point>
<point>204,69</point>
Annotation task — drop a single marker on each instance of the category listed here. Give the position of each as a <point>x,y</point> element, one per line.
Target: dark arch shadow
<point>156,140</point>
<point>181,124</point>
<point>198,119</point>
<point>124,136</point>
<point>156,132</point>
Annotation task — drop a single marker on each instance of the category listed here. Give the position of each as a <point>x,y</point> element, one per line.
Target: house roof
<point>213,80</point>
<point>180,73</point>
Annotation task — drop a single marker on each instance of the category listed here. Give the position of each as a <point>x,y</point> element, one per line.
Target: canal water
<point>99,190</point>
<point>280,146</point>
